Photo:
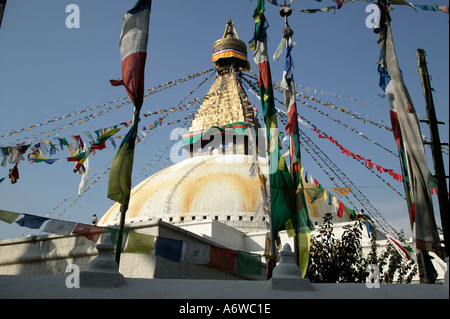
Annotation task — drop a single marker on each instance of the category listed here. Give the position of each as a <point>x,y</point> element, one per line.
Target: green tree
<point>323,264</point>
<point>341,260</point>
<point>397,268</point>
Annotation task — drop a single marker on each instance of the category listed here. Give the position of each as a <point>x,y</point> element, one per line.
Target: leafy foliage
<point>341,260</point>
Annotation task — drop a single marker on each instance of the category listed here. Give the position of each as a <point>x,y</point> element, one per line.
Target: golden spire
<point>230,50</point>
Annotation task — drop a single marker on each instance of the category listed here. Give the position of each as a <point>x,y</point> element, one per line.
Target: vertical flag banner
<point>303,223</point>
<point>407,134</point>
<point>119,184</point>
<point>282,190</point>
<point>133,51</point>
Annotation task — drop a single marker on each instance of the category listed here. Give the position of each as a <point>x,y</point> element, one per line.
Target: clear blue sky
<point>48,70</point>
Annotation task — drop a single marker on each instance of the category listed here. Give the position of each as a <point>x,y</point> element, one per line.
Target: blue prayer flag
<point>32,221</point>
<point>168,248</point>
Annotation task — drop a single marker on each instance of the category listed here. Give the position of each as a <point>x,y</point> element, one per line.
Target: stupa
<point>216,180</point>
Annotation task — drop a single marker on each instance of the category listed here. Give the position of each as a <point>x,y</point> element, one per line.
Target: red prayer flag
<point>222,258</point>
<point>340,212</point>
<point>133,50</point>
<point>91,232</point>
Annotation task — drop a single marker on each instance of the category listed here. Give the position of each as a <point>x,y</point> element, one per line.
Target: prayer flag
<point>339,3</point>
<point>60,227</point>
<point>222,258</point>
<point>248,263</point>
<point>101,140</point>
<point>91,232</point>
<point>340,212</point>
<point>139,243</point>
<point>8,217</point>
<point>114,235</point>
<point>282,189</point>
<point>119,185</point>
<point>408,135</point>
<point>369,227</point>
<point>32,221</point>
<point>195,253</point>
<point>14,174</point>
<point>404,251</point>
<point>168,248</point>
<point>340,191</point>
<point>133,51</point>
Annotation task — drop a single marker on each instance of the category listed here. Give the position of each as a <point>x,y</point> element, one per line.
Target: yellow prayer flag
<point>304,243</point>
<point>289,228</point>
<point>340,191</point>
<point>8,217</point>
<point>139,243</point>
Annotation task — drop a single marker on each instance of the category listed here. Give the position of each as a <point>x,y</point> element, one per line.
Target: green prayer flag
<point>248,263</point>
<point>119,185</point>
<point>114,235</point>
<point>282,189</point>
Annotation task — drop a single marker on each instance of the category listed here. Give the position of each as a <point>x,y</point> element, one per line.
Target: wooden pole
<point>436,149</point>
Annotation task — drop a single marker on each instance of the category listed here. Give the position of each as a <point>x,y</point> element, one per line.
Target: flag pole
<point>436,150</point>
<point>124,207</point>
<point>285,12</point>
<point>133,50</point>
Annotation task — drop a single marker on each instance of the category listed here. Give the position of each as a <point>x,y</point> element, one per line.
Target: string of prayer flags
<point>238,261</point>
<point>326,9</point>
<point>433,7</point>
<point>340,191</point>
<point>368,162</point>
<point>149,92</point>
